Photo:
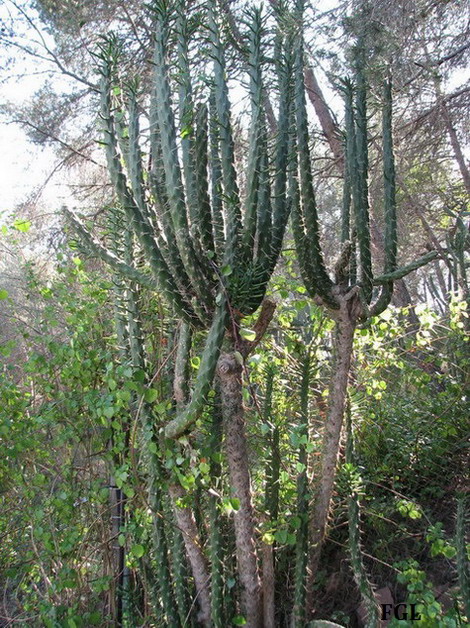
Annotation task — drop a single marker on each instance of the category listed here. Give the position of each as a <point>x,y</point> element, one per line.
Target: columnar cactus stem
<point>271,500</point>
<point>354,528</point>
<point>131,348</point>
<point>216,541</point>
<point>361,187</point>
<point>301,549</point>
<point>273,466</point>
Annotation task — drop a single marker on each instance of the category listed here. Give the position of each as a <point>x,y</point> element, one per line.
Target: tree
<point>350,297</point>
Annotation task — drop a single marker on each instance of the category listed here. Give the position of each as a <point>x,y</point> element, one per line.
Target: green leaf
<point>239,620</point>
<point>138,550</point>
<point>3,294</point>
<point>238,357</point>
<point>226,270</point>
<point>150,395</point>
<point>247,334</point>
<point>186,132</point>
<point>281,536</point>
<point>108,412</point>
<point>22,225</point>
<point>235,503</point>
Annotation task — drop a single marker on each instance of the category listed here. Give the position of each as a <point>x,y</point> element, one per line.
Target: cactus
<point>216,542</point>
<point>354,294</point>
<point>273,466</point>
<point>207,251</point>
<point>271,498</point>
<point>354,529</point>
<point>301,549</point>
<point>131,351</point>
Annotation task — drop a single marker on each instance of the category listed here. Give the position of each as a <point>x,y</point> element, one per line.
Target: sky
<point>23,165</point>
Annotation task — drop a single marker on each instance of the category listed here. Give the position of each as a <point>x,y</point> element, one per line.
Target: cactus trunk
<point>344,336</point>
<point>229,373</point>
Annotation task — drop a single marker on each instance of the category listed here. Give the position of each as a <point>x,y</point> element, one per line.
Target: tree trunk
<point>345,326</point>
<point>269,586</point>
<point>327,122</point>
<point>229,372</point>
<point>200,570</point>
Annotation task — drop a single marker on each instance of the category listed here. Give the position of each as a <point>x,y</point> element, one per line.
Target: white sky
<point>25,166</point>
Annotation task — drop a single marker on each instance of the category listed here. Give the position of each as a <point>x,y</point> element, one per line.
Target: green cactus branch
<point>226,144</point>
<point>106,255</point>
<point>399,273</point>
<point>307,224</point>
<point>351,298</point>
<point>360,186</point>
<point>258,131</point>
<point>201,280</point>
<point>216,192</point>
<point>354,529</point>
<point>207,367</point>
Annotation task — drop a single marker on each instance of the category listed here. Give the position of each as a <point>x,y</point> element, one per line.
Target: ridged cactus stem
<point>319,281</point>
<point>180,576</point>
<point>271,500</point>
<point>108,256</point>
<point>361,206</point>
<point>281,208</point>
<point>205,219</point>
<point>273,466</point>
<point>139,222</point>
<point>182,366</point>
<point>350,152</point>
<point>216,181</point>
<point>226,143</point>
<point>390,206</point>
<point>186,113</point>
<point>201,281</point>
<point>390,203</point>
<point>160,544</point>
<point>207,367</point>
<point>165,241</point>
<point>354,539</point>
<point>301,548</point>
<point>258,129</point>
